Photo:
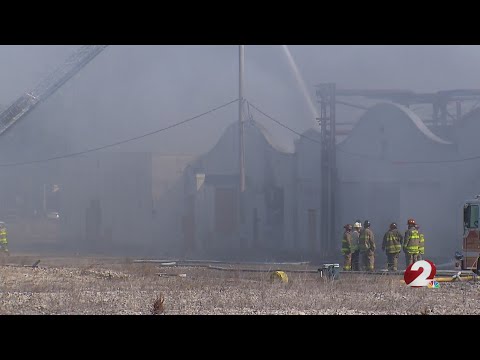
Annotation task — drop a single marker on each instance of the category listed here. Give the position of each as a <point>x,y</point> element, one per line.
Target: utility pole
<point>241,52</point>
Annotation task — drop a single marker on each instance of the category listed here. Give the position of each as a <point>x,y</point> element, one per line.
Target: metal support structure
<point>326,95</point>
<point>439,101</point>
<point>241,52</point>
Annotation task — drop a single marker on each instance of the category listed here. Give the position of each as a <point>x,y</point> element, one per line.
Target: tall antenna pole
<point>241,52</point>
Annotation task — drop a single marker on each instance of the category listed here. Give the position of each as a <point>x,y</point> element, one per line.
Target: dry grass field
<point>119,286</point>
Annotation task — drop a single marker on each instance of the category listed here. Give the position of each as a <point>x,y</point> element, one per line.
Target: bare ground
<point>118,286</point>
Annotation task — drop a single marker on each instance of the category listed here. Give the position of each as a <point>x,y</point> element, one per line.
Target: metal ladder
<point>48,86</point>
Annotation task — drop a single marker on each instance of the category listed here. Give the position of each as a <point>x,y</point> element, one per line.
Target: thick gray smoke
<point>131,90</point>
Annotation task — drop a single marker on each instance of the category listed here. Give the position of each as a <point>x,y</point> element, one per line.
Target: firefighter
<point>355,249</point>
<point>410,243</point>
<point>392,245</point>
<point>3,238</point>
<point>347,247</point>
<point>421,244</point>
<point>359,222</point>
<point>367,247</point>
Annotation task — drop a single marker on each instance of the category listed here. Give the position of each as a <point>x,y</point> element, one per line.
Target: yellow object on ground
<point>451,279</point>
<point>280,275</point>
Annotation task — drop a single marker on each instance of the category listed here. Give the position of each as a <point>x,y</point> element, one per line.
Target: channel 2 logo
<point>421,274</point>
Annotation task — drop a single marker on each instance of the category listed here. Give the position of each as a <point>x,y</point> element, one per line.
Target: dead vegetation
<point>158,307</point>
<point>93,287</point>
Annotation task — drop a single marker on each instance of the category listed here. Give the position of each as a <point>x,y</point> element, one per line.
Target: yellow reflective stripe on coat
<point>3,237</point>
<point>421,246</point>
<point>414,239</point>
<point>345,246</point>
<point>394,248</point>
<point>364,245</point>
<point>393,244</point>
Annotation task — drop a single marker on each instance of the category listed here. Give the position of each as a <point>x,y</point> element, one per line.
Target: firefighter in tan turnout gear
<point>421,244</point>
<point>392,245</point>
<point>367,247</point>
<point>347,247</point>
<point>355,249</point>
<point>411,242</point>
<point>3,238</point>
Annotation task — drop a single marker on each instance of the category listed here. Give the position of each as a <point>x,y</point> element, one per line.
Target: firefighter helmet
<point>366,224</point>
<point>358,225</point>
<point>348,227</point>
<point>411,222</point>
<point>393,226</point>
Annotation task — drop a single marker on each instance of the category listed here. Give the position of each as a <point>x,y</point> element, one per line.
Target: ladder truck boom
<point>79,59</point>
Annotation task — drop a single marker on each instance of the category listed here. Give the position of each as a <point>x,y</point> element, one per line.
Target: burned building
<point>221,221</point>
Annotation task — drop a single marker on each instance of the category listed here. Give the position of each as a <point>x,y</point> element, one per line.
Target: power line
<point>283,125</point>
<point>351,105</point>
<point>309,138</point>
<point>437,161</point>
<point>394,162</point>
<point>122,141</point>
<point>218,108</point>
